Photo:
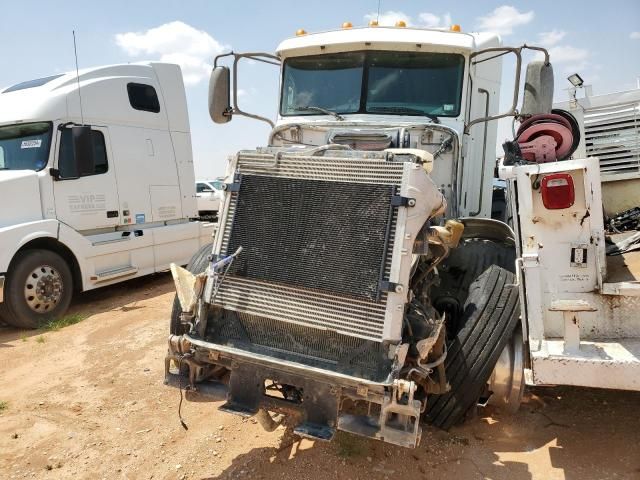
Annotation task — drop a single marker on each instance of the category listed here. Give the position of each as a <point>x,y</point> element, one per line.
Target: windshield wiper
<point>409,110</point>
<point>336,115</point>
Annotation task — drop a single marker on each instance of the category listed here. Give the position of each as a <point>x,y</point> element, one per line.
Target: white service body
<point>609,131</point>
<point>579,306</point>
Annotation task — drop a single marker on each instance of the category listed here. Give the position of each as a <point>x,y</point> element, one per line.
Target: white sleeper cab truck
<point>357,280</point>
<point>96,182</point>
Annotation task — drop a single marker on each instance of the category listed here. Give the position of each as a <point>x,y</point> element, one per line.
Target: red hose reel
<point>548,137</point>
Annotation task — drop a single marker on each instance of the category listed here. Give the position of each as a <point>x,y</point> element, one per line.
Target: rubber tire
<point>14,310</point>
<point>491,314</point>
<point>197,264</point>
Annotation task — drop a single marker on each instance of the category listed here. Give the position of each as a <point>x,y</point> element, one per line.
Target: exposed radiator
<point>313,234</point>
<point>320,247</point>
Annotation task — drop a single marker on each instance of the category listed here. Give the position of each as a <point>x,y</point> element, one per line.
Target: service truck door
<point>91,201</point>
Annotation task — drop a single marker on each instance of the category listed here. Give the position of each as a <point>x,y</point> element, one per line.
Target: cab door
<point>90,201</point>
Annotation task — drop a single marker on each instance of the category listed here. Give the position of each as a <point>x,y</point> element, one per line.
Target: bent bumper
<point>319,405</point>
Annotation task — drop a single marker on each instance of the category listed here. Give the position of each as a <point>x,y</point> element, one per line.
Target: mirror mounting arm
<point>64,125</point>
<point>538,49</point>
<point>517,51</point>
<point>258,57</point>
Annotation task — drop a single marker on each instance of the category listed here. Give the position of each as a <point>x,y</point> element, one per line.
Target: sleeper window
<point>143,97</point>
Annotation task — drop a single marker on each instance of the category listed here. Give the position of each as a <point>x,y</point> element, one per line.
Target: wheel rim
<point>43,289</point>
<point>507,380</point>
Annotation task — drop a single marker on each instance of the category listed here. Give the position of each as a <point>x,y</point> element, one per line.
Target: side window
<point>65,157</point>
<point>202,187</point>
<point>143,97</point>
<point>2,158</point>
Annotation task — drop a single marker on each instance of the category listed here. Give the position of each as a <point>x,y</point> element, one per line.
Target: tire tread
<point>491,313</point>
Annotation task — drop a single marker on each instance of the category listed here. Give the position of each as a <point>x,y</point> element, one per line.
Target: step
<point>105,275</point>
<point>601,364</point>
<point>627,289</point>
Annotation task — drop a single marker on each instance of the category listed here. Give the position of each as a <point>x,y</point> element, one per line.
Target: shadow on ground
<point>563,432</point>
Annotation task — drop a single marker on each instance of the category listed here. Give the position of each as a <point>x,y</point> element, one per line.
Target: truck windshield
<point>24,146</point>
<point>400,83</point>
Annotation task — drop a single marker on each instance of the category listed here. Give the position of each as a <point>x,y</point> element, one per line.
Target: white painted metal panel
<point>88,202</point>
<point>598,346</point>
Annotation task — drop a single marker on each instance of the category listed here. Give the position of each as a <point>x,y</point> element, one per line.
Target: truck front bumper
<point>318,404</point>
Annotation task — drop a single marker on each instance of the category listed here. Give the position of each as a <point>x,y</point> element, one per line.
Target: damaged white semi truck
<point>357,282</point>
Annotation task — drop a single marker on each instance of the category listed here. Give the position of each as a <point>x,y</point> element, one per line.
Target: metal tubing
<point>484,154</point>
<point>517,51</point>
<point>516,88</point>
<point>260,57</point>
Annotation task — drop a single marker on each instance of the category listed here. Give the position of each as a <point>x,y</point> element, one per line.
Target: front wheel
<point>490,316</point>
<point>38,289</point>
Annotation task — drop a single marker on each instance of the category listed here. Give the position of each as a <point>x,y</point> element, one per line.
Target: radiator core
<point>315,234</point>
<point>318,236</point>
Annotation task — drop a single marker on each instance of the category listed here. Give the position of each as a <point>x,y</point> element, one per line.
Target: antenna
<point>75,52</point>
<point>378,15</point>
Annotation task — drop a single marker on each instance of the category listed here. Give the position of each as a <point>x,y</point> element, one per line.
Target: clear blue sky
<point>600,40</point>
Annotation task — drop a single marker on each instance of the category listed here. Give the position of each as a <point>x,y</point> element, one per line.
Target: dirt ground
<point>87,401</point>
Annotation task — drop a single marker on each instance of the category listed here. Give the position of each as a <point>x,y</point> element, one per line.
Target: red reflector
<point>557,191</point>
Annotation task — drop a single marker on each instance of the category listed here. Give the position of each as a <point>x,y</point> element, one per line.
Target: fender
<point>489,229</point>
<point>14,237</point>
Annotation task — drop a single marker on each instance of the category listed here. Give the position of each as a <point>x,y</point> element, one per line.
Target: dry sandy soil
<point>87,401</point>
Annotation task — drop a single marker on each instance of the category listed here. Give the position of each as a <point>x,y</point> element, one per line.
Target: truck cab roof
<point>104,97</point>
<point>385,38</point>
